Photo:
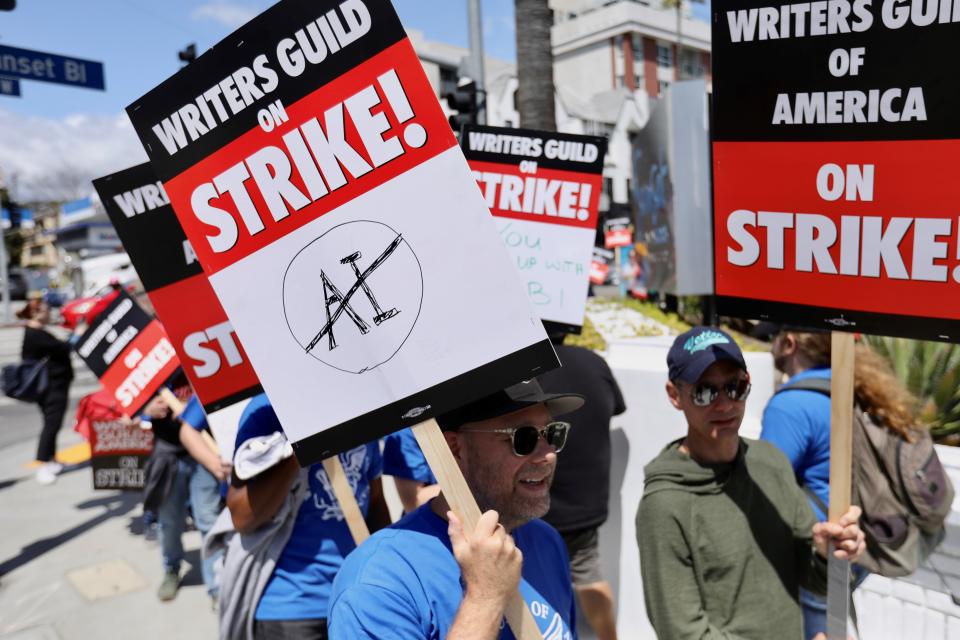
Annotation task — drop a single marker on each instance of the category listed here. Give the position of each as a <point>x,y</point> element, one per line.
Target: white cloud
<point>229,15</point>
<point>46,158</point>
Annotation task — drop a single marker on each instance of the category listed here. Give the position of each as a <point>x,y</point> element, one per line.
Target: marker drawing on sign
<point>344,300</point>
<point>392,285</point>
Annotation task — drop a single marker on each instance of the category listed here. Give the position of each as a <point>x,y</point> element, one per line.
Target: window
<point>621,81</point>
<point>691,64</point>
<point>663,86</point>
<point>637,81</point>
<point>618,47</point>
<point>664,55</point>
<point>636,42</point>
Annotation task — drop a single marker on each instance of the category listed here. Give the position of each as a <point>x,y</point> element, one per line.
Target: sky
<point>57,131</point>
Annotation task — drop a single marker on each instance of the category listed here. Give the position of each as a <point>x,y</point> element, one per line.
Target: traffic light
<point>463,100</point>
<point>8,5</point>
<point>189,54</point>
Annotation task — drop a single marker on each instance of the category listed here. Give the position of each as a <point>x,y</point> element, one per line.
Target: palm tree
<point>535,95</point>
<point>931,371</point>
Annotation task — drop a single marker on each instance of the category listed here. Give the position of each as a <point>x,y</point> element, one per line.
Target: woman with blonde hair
<point>798,420</point>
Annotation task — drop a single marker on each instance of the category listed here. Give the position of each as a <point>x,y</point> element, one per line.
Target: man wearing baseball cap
<point>726,537</point>
<point>426,577</point>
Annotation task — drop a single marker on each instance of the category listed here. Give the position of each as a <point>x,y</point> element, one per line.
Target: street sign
<point>9,87</point>
<point>50,67</point>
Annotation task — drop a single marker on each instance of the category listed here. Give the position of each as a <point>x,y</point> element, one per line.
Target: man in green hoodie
<point>726,537</point>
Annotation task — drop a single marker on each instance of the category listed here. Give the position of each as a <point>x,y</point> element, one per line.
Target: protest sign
<point>835,130</point>
<point>600,265</point>
<point>617,232</point>
<point>118,454</point>
<point>544,189</point>
<point>129,352</point>
<point>313,171</point>
<point>209,351</point>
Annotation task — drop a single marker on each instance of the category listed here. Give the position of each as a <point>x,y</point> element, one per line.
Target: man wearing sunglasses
<point>425,577</point>
<point>726,537</point>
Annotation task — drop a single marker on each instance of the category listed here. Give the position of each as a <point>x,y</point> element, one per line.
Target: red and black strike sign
<point>129,352</point>
<point>834,142</point>
<point>192,316</point>
<point>600,265</point>
<point>617,232</point>
<point>119,451</point>
<point>544,188</point>
<point>313,170</point>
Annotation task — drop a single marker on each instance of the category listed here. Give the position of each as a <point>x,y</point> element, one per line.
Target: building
<point>610,59</point>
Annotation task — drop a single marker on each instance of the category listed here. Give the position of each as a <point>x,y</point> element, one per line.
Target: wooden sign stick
<point>338,478</point>
<point>461,501</point>
<point>841,475</point>
<point>348,501</point>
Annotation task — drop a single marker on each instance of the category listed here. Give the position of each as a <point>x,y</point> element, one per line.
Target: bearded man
<point>425,577</point>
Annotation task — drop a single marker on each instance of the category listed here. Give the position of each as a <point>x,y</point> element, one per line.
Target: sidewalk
<point>74,564</point>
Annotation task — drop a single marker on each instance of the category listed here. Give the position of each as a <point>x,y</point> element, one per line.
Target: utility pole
<point>476,55</point>
<point>5,279</point>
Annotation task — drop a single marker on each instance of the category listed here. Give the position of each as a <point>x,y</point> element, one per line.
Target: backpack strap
<point>820,385</point>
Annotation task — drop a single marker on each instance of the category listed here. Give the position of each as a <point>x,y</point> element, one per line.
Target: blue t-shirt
<point>299,588</point>
<point>404,583</point>
<point>798,423</point>
<point>194,415</point>
<point>402,458</point>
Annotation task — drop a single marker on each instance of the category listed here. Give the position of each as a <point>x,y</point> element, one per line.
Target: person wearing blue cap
<point>726,537</point>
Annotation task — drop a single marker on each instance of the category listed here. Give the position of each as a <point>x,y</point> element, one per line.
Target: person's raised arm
<point>255,501</point>
<point>490,564</point>
<point>200,451</point>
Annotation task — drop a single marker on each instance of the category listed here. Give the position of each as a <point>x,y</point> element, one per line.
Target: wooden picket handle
<point>841,475</point>
<point>464,505</point>
<point>177,407</point>
<point>346,498</point>
<point>841,423</point>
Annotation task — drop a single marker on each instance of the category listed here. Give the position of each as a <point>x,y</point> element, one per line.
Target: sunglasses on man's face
<point>524,438</point>
<point>704,394</point>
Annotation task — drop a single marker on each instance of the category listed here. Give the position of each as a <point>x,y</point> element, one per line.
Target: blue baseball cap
<point>695,350</point>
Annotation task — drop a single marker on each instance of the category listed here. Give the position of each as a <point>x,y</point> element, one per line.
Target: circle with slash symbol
<point>352,296</point>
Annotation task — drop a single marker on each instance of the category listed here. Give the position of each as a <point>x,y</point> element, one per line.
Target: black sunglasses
<point>524,438</point>
<point>703,394</point>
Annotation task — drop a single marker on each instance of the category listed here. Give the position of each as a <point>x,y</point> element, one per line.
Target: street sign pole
<point>476,55</point>
<point>4,280</point>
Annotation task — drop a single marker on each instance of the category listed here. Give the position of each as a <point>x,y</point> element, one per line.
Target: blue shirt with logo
<point>299,588</point>
<point>798,423</point>
<point>402,458</point>
<point>405,583</point>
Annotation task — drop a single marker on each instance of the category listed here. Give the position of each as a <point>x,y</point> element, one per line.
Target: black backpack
<point>901,486</point>
<point>27,380</point>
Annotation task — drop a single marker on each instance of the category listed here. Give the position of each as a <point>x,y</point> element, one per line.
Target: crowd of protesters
<point>732,532</point>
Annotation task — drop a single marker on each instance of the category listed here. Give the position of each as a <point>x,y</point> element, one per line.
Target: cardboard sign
<point>129,352</point>
<point>834,145</point>
<point>118,454</point>
<point>192,316</point>
<point>316,177</point>
<point>617,232</point>
<point>600,265</point>
<point>544,189</point>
